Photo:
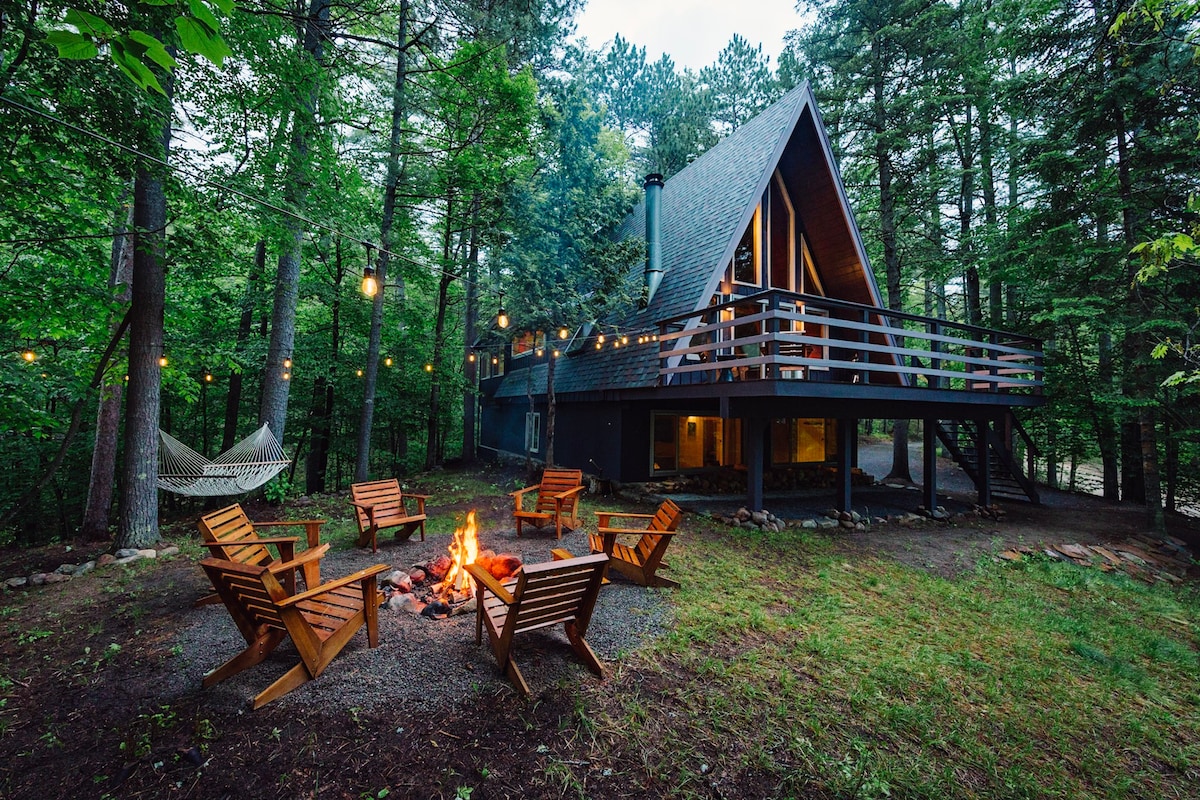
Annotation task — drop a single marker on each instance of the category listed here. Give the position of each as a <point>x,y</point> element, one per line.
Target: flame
<point>463,551</point>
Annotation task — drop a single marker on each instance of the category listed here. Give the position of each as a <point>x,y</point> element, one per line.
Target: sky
<point>692,32</point>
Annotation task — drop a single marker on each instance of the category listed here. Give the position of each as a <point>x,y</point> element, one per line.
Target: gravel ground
<point>421,665</point>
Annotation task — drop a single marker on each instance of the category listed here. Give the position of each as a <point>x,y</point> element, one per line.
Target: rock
<point>16,583</point>
<point>832,513</point>
<point>37,579</point>
<point>743,514</point>
<point>758,518</point>
<point>67,569</point>
<point>169,550</point>
<point>749,525</point>
<point>404,603</point>
<point>846,523</point>
<point>417,576</point>
<point>825,523</point>
<point>844,516</point>
<point>855,517</point>
<point>105,559</point>
<point>57,577</point>
<point>149,552</point>
<point>860,526</point>
<point>128,559</point>
<point>125,552</point>
<point>810,524</point>
<point>504,566</point>
<point>438,568</point>
<point>437,610</point>
<point>303,500</point>
<point>400,581</point>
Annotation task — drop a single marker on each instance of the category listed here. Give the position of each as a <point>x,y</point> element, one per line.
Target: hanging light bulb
<point>162,361</point>
<point>29,356</point>
<point>598,345</point>
<point>600,339</point>
<point>208,376</point>
<point>624,340</point>
<point>471,357</point>
<point>429,367</point>
<point>563,333</point>
<point>358,372</point>
<point>287,363</point>
<point>539,352</point>
<point>495,361</point>
<point>556,354</point>
<point>502,315</point>
<point>370,286</point>
<point>387,362</point>
<point>287,376</point>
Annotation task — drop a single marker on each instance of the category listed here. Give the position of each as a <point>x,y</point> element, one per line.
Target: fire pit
<point>442,588</point>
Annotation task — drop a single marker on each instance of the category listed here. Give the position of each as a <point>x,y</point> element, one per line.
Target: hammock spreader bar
<point>247,465</point>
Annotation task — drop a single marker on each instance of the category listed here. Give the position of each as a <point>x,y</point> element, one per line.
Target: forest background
<point>192,191</point>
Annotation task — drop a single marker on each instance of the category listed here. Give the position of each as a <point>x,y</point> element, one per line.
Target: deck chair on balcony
<point>229,534</point>
<point>379,505</point>
<point>539,596</point>
<point>557,501</point>
<point>640,562</point>
<point>319,621</point>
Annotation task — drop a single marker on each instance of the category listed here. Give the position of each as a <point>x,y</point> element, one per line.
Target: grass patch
<point>810,673</point>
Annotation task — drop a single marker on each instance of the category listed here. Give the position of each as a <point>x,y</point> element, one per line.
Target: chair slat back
<point>557,481</point>
<point>249,592</point>
<point>555,592</point>
<point>384,495</point>
<point>230,524</point>
<point>666,518</point>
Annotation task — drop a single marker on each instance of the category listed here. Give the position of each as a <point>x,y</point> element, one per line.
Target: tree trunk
<point>391,183</point>
<point>273,410</point>
<point>233,400</point>
<point>1155,520</point>
<point>887,230</point>
<point>470,368</point>
<point>108,411</point>
<point>551,404</point>
<point>139,495</point>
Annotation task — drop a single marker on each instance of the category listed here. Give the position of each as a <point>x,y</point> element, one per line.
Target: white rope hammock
<point>247,465</point>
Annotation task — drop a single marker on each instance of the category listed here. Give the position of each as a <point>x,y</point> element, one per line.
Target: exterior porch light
<point>502,315</point>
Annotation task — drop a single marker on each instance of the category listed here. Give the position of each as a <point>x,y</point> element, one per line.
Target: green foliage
<point>278,489</point>
<point>83,35</point>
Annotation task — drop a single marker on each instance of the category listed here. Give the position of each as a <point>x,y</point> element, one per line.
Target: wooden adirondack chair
<point>380,505</point>
<point>319,621</point>
<point>639,562</point>
<point>557,501</point>
<point>539,595</point>
<point>229,534</point>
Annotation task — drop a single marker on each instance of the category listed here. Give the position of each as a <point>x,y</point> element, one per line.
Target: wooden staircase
<point>1005,477</point>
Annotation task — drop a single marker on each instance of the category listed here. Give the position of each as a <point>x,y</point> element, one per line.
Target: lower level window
<point>800,441</point>
<point>533,431</point>
<point>687,442</point>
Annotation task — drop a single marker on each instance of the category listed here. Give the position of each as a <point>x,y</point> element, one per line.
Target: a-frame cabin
<point>762,340</point>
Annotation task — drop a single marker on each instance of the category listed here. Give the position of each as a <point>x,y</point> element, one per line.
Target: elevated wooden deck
<point>786,336</point>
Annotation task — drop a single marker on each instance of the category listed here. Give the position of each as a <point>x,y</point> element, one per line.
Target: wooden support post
<point>983,460</point>
<point>846,429</point>
<point>929,462</point>
<point>755,428</point>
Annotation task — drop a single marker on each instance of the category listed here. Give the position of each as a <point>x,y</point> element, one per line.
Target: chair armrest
<point>325,588</point>
<point>519,494</point>
<point>313,554</point>
<point>605,516</point>
<point>568,493</point>
<point>254,540</point>
<point>363,506</point>
<point>494,586</point>
<point>418,496</point>
<point>636,531</point>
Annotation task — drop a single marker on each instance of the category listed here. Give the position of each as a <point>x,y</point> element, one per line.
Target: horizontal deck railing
<point>783,335</point>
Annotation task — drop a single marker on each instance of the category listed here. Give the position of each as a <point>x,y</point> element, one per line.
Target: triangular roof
<point>704,209</point>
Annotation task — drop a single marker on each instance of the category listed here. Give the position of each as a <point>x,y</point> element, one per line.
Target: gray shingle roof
<point>705,207</point>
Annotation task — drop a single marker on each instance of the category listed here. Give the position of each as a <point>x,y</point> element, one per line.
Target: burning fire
<point>463,551</point>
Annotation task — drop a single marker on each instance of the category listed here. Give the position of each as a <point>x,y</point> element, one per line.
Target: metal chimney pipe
<point>654,264</point>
